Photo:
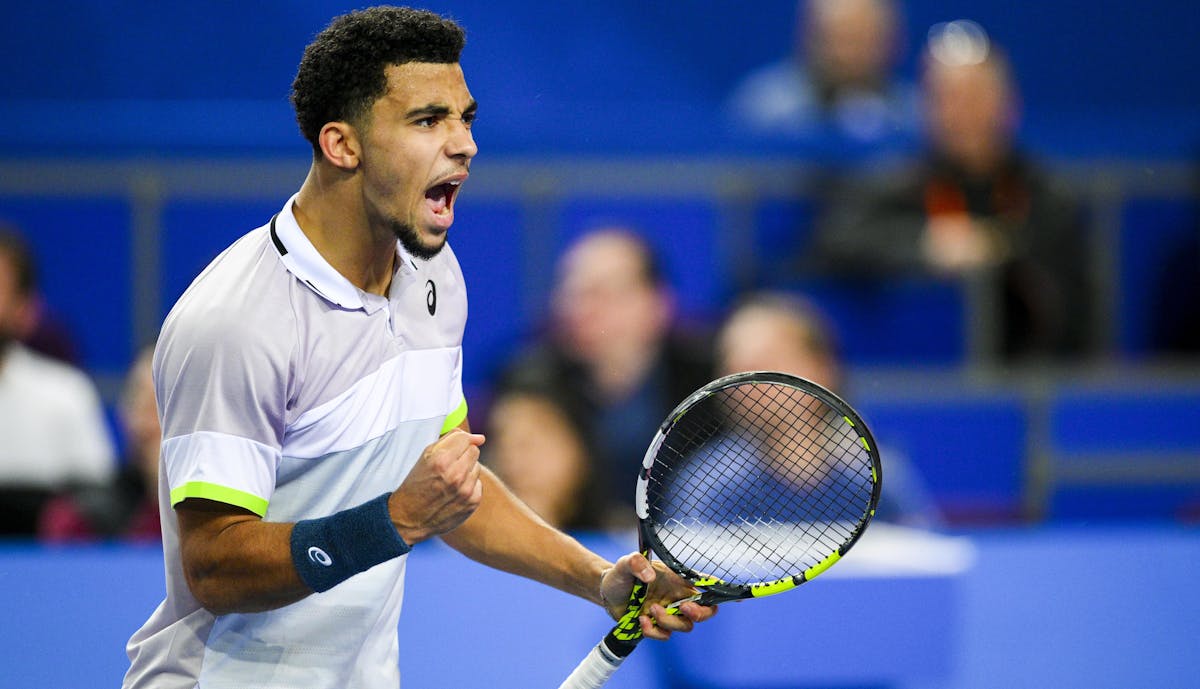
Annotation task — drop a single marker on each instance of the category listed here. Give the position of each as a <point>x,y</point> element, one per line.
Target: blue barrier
<point>1125,453</point>
<point>970,449</point>
<point>1065,608</point>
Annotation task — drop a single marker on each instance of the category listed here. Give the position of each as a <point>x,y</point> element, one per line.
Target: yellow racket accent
<point>821,566</point>
<point>628,627</point>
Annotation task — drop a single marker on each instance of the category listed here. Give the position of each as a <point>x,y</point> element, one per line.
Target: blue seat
<point>782,233</point>
<point>969,448</point>
<point>1121,453</point>
<point>901,322</point>
<point>1120,420</point>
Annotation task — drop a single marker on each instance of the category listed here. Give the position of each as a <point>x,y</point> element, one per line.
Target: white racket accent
<point>594,670</point>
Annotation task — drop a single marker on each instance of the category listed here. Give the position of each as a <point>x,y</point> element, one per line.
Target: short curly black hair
<point>342,72</point>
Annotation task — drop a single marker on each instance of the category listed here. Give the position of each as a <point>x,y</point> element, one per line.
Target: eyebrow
<point>438,110</point>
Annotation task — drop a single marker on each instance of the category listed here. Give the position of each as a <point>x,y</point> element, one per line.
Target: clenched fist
<point>441,491</point>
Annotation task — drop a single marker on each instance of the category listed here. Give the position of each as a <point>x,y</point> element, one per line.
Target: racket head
<point>756,483</point>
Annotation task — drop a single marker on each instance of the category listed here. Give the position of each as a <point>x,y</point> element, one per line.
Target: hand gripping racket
<point>755,484</point>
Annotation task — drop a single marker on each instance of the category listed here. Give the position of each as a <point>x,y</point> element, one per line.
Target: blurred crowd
<point>932,183</point>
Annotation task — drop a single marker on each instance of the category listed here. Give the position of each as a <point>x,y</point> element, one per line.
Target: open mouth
<point>441,196</point>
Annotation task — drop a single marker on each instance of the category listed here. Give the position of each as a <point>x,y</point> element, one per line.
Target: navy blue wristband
<point>330,550</point>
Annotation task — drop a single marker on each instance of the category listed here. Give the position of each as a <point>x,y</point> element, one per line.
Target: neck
<point>330,212</point>
<point>980,160</point>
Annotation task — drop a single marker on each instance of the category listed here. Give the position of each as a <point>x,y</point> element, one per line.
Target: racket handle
<point>594,670</point>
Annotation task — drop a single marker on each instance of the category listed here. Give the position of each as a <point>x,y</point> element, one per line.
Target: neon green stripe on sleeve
<point>211,491</point>
<point>455,417</point>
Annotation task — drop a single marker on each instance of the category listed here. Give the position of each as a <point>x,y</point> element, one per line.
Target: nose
<point>461,143</point>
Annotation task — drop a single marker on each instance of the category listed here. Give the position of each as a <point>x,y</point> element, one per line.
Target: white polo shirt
<point>286,390</point>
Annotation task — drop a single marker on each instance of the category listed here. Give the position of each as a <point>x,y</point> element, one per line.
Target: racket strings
<point>758,482</point>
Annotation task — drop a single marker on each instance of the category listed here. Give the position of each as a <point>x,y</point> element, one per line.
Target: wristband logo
<point>319,556</point>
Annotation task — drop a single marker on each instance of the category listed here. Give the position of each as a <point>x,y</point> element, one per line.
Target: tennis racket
<point>755,484</point>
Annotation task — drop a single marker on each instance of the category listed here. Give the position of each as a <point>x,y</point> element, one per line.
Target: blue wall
<point>1100,78</point>
<point>1063,608</point>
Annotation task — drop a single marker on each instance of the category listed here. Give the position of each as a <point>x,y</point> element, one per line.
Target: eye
<point>426,122</point>
<point>468,119</point>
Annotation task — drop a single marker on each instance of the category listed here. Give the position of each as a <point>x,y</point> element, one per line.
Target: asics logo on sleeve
<point>319,556</point>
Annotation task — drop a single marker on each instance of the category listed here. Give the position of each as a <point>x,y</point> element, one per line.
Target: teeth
<point>455,183</point>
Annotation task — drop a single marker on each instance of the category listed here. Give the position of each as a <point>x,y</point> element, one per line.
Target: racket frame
<point>604,659</point>
<point>714,591</point>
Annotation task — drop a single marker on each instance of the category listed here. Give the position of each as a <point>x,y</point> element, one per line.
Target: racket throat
<point>707,599</point>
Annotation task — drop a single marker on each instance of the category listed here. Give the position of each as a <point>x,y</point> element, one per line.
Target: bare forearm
<point>505,534</point>
<point>238,564</point>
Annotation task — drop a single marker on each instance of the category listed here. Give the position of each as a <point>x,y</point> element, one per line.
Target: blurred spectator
<point>127,508</point>
<point>974,204</point>
<point>52,427</point>
<point>838,85</point>
<point>770,331</point>
<point>37,325</point>
<point>611,369</point>
<point>540,452</point>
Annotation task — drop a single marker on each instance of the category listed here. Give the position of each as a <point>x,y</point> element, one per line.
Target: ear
<point>340,145</point>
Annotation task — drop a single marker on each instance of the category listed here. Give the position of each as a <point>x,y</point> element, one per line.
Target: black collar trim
<point>283,250</point>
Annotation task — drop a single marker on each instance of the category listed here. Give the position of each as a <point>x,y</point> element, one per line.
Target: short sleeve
<point>222,383</point>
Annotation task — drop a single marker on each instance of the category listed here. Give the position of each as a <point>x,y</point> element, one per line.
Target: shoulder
<point>781,75</point>
<point>778,96</point>
<point>232,336</point>
<point>243,298</point>
<point>448,260</point>
<point>1048,191</point>
<point>50,375</point>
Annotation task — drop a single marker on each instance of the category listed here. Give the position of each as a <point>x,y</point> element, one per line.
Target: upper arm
<point>201,523</point>
<point>202,548</point>
<point>233,561</point>
<point>222,389</point>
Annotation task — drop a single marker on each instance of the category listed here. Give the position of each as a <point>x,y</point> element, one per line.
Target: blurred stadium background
<point>144,137</point>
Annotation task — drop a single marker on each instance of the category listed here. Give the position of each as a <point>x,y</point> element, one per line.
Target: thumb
<point>640,568</point>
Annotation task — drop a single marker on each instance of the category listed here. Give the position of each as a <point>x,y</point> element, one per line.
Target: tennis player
<point>309,384</point>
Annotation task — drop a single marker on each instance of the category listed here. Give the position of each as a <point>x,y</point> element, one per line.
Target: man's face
<point>604,302</point>
<point>970,109</point>
<point>763,340</point>
<point>416,150</point>
<point>850,40</point>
